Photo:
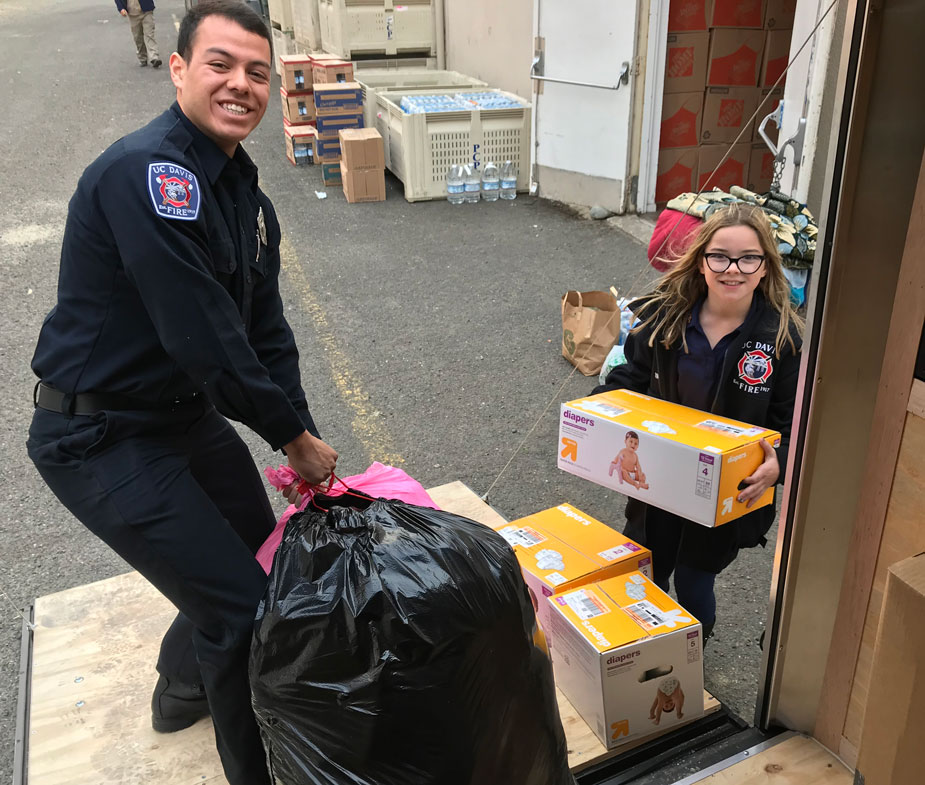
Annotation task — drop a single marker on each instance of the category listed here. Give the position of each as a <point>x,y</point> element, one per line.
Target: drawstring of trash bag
<point>632,289</point>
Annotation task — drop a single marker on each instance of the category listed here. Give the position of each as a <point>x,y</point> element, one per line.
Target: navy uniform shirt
<point>169,284</point>
<point>700,368</point>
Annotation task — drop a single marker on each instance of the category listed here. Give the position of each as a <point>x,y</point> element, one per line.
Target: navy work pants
<point>177,495</point>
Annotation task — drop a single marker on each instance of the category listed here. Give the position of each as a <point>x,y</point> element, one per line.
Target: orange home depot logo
<point>680,61</point>
<point>569,449</point>
<point>621,728</point>
<point>680,130</point>
<point>737,68</point>
<point>676,180</point>
<point>731,112</point>
<point>687,15</point>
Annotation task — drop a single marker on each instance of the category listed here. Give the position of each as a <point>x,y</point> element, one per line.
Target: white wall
<point>491,40</point>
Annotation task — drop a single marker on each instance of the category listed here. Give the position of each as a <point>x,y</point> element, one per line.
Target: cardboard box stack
<point>298,102</point>
<point>723,56</point>
<point>362,165</point>
<point>338,106</point>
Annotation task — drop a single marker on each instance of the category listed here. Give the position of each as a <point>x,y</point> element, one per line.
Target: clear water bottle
<point>508,180</point>
<point>490,182</point>
<point>455,185</point>
<point>473,183</point>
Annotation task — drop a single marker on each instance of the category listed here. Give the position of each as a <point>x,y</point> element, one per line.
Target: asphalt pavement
<point>429,333</point>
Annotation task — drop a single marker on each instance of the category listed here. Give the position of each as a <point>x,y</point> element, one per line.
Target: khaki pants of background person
<point>143,33</point>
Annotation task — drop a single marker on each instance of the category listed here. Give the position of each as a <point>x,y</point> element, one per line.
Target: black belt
<point>53,400</point>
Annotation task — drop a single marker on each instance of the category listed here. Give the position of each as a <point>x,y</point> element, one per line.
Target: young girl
<point>718,334</point>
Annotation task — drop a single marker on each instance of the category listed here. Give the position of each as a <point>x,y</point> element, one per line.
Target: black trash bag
<point>394,646</point>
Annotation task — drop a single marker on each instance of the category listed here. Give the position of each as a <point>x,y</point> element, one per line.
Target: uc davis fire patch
<point>174,191</point>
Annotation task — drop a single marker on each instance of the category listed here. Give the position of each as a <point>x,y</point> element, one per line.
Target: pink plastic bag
<point>378,481</point>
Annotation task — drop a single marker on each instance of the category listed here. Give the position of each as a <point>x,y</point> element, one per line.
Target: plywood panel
<point>903,536</point>
<point>94,650</point>
<point>797,761</point>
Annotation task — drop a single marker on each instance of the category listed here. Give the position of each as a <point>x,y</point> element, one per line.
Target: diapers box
<point>561,548</point>
<point>679,459</point>
<point>627,656</point>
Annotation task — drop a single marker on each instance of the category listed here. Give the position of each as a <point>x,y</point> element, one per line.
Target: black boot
<point>175,706</point>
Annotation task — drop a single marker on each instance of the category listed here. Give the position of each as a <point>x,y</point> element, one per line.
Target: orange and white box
<point>562,547</point>
<point>673,457</point>
<point>627,656</point>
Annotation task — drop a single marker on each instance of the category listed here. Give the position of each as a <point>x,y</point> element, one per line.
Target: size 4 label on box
<point>585,604</point>
<point>704,485</point>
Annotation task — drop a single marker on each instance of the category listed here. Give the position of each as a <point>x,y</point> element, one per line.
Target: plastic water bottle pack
<point>420,104</point>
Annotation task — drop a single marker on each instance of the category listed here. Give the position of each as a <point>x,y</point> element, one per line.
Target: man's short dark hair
<point>235,10</point>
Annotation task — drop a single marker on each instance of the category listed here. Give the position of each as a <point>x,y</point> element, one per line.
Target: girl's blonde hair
<point>668,309</point>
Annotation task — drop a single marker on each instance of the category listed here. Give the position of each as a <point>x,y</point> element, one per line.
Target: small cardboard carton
<point>735,58</point>
<point>338,98</point>
<point>330,173</point>
<point>362,149</point>
<point>780,14</point>
<point>298,108</point>
<point>562,547</point>
<point>679,459</point>
<point>688,16</point>
<point>627,656</point>
<point>760,168</point>
<point>772,104</point>
<point>681,117</point>
<point>296,73</point>
<point>330,125</point>
<point>732,171</point>
<point>737,13</point>
<point>677,168</point>
<point>300,144</point>
<point>726,111</point>
<point>331,71</point>
<point>776,56</point>
<point>329,149</point>
<point>891,750</point>
<point>363,185</point>
<point>686,62</point>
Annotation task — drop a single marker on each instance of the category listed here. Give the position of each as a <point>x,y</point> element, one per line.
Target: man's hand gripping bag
<point>394,646</point>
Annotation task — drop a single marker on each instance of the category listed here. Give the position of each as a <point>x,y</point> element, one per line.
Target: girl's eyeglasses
<point>719,262</point>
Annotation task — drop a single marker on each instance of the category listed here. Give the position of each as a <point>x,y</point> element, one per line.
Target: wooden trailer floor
<point>92,672</point>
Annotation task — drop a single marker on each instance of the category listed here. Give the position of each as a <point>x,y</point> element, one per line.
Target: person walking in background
<point>140,15</point>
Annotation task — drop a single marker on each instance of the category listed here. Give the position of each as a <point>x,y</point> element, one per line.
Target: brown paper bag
<point>590,328</point>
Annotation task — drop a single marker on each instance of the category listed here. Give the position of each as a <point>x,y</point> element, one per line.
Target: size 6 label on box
<point>585,604</point>
<point>524,536</point>
<point>704,484</point>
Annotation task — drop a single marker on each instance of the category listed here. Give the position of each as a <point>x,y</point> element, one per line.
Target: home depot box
<point>737,13</point>
<point>735,58</point>
<point>780,14</point>
<point>776,55</point>
<point>330,71</point>
<point>364,185</point>
<point>679,459</point>
<point>329,149</point>
<point>300,144</point>
<point>688,15</point>
<point>296,73</point>
<point>760,168</point>
<point>338,98</point>
<point>681,114</point>
<point>732,171</point>
<point>627,656</point>
<point>330,173</point>
<point>677,168</point>
<point>362,149</point>
<point>298,108</point>
<point>726,112</point>
<point>329,125</point>
<point>562,548</point>
<point>686,62</point>
<point>765,107</point>
<point>891,750</point>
